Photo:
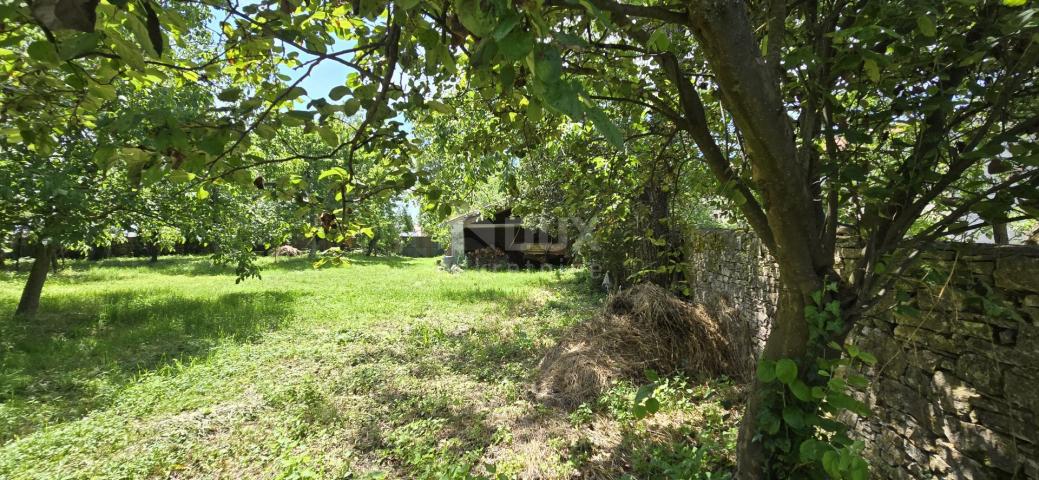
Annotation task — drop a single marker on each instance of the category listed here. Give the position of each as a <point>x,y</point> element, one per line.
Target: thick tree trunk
<point>788,339</point>
<point>653,255</point>
<point>30,300</point>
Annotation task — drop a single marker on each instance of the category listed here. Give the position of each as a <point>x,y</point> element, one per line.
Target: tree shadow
<point>391,261</point>
<point>85,271</point>
<point>80,350</point>
<point>506,300</point>
<point>513,350</point>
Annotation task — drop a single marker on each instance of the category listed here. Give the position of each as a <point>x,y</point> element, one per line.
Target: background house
<point>418,244</point>
<point>472,235</point>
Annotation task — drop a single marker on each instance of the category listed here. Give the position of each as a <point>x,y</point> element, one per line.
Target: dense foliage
<point>899,122</point>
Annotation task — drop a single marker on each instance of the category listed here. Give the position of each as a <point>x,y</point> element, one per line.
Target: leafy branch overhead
<point>894,123</point>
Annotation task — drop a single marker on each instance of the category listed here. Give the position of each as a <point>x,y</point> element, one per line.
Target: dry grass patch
<point>641,328</point>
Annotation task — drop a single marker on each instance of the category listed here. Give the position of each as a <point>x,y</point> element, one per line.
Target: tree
<point>876,116</point>
<point>626,211</point>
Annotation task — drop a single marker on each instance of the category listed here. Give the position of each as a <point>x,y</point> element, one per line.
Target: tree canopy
<point>899,122</point>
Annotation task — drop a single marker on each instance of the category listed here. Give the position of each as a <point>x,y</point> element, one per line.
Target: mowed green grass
<point>384,368</point>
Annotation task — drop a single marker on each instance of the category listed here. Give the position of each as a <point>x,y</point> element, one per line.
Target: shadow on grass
<point>389,261</point>
<point>76,354</point>
<point>305,263</point>
<point>513,350</point>
<point>505,300</point>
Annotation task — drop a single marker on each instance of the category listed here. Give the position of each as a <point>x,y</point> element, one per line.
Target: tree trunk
<point>30,300</point>
<point>54,255</point>
<point>18,254</point>
<point>653,255</point>
<point>372,242</point>
<point>1000,233</point>
<point>788,339</point>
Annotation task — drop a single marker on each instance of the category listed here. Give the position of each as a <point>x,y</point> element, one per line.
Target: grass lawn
<point>384,368</point>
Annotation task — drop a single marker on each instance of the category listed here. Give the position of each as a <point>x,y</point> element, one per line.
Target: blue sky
<point>327,75</point>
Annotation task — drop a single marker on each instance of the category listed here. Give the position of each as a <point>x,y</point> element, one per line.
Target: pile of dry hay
<point>644,327</point>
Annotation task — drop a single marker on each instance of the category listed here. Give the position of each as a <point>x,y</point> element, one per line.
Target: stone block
<point>926,339</point>
<point>934,321</point>
<point>980,372</point>
<point>972,329</point>
<point>949,299</point>
<point>986,446</point>
<point>1017,272</point>
<point>1005,424</point>
<point>923,359</point>
<point>954,395</point>
<point>964,467</point>
<point>1022,389</point>
<point>901,398</point>
<point>980,268</point>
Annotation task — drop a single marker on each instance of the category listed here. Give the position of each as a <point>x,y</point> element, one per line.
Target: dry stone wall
<point>955,393</point>
<point>733,268</point>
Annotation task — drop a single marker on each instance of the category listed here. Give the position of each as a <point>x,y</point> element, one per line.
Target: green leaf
<point>786,370</point>
<point>333,172</point>
<point>794,417</point>
<point>265,132</point>
<point>534,112</point>
<point>516,45</point>
<point>294,93</point>
<point>128,52</point>
<point>339,92</point>
<point>607,128</point>
<point>202,194</point>
<point>549,65</point>
<point>140,32</point>
<point>659,41</point>
<point>440,107</point>
<point>78,45</point>
<point>858,381</point>
<point>859,469</point>
<point>1015,3</point>
<point>105,92</point>
<point>230,94</point>
<point>926,26</point>
<point>351,107</point>
<point>830,464</point>
<point>801,391</point>
<point>506,26</point>
<point>652,405</point>
<point>563,96</point>
<point>766,371</point>
<point>181,176</point>
<point>44,51</point>
<point>872,70</point>
<point>474,17</point>
<point>105,157</point>
<point>328,136</point>
<point>808,450</point>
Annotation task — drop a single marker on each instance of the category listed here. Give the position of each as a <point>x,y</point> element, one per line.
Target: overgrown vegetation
<point>383,367</point>
<point>901,122</point>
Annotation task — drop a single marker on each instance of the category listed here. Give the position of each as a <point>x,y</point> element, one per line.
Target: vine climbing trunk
<point>788,339</point>
<point>30,301</point>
